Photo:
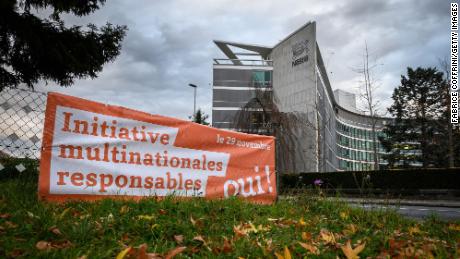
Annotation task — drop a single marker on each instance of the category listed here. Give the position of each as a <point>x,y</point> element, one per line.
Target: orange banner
<point>91,151</point>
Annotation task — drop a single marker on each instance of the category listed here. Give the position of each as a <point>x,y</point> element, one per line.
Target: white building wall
<point>294,88</point>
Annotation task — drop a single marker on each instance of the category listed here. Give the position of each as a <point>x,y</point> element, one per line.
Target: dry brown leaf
<point>142,252</point>
<point>327,236</point>
<point>55,230</point>
<point>16,253</point>
<point>227,247</point>
<point>414,230</point>
<point>197,223</point>
<point>350,230</point>
<point>201,239</point>
<point>455,227</point>
<point>302,222</point>
<point>154,256</point>
<point>162,212</point>
<point>306,236</point>
<point>179,239</point>
<point>5,216</point>
<point>311,248</point>
<point>10,224</point>
<point>124,209</point>
<point>239,231</point>
<point>287,253</point>
<point>175,252</point>
<point>344,215</point>
<point>125,237</point>
<point>351,253</point>
<point>43,245</point>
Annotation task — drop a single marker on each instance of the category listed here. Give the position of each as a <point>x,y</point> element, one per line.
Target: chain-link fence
<point>22,114</point>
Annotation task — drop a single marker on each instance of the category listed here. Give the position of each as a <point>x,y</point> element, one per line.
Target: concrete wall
<point>294,88</point>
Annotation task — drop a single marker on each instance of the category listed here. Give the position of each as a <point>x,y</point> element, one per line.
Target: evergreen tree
<point>416,134</point>
<point>200,117</point>
<point>33,49</point>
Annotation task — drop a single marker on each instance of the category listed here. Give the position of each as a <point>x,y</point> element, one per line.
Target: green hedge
<point>394,179</point>
<point>9,167</point>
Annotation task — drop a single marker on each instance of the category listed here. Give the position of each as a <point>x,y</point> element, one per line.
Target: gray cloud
<point>169,44</point>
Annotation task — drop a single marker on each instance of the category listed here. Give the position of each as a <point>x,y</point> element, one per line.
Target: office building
<point>284,91</point>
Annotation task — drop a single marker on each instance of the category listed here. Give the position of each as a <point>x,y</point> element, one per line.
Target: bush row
<point>12,167</point>
<point>394,179</point>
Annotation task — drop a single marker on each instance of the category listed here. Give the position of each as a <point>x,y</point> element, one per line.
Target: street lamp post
<point>194,98</point>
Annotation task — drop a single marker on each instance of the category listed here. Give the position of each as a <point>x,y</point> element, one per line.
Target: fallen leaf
<point>306,236</point>
<point>327,236</point>
<point>125,237</point>
<point>146,217</point>
<point>61,244</point>
<point>414,230</point>
<point>43,245</point>
<point>179,239</point>
<point>154,256</point>
<point>162,212</point>
<point>5,216</point>
<point>350,229</point>
<point>239,232</point>
<point>16,253</point>
<point>227,247</point>
<point>10,224</point>
<point>123,253</point>
<point>311,248</point>
<point>142,252</point>
<point>287,253</point>
<point>201,239</point>
<point>351,253</point>
<point>196,223</point>
<point>455,227</point>
<point>124,209</point>
<point>344,215</point>
<point>175,252</point>
<point>302,222</point>
<point>55,230</point>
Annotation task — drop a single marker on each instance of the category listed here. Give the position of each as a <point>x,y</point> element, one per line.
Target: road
<point>416,211</point>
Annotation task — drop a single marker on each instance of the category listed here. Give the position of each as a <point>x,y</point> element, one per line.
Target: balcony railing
<point>243,62</point>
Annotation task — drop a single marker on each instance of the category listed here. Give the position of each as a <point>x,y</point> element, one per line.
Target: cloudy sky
<point>169,44</point>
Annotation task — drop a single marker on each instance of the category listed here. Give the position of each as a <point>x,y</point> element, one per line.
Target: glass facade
<point>355,147</point>
<point>237,91</point>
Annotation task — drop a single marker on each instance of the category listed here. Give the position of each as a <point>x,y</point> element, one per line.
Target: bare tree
<point>446,93</point>
<point>367,94</point>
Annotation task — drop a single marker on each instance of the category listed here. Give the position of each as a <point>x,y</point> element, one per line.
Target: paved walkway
<point>400,202</point>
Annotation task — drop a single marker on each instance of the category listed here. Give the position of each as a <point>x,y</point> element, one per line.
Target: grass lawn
<point>304,227</point>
